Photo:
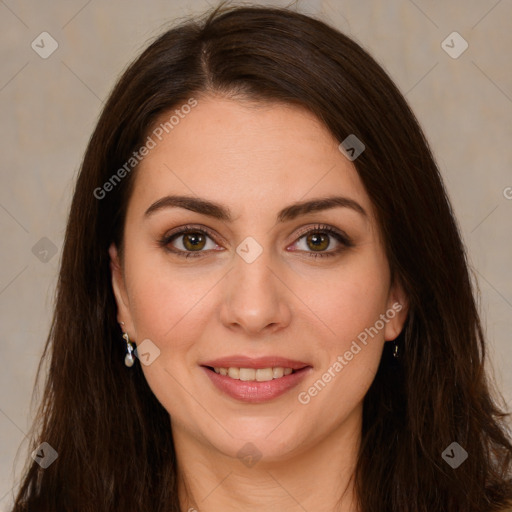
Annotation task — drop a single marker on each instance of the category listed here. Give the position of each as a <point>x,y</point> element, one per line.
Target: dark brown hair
<point>112,435</point>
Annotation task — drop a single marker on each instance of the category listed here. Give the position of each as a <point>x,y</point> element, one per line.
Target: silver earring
<point>128,358</point>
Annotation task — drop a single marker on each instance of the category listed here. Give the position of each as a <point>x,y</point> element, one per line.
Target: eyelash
<point>319,228</point>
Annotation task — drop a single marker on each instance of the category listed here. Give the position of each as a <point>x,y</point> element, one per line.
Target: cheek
<point>352,298</point>
<point>350,304</point>
<point>166,300</point>
<point>352,351</point>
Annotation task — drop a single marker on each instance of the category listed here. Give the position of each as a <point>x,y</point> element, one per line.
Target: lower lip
<point>254,391</point>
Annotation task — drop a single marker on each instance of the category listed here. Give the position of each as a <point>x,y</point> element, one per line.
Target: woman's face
<point>266,271</point>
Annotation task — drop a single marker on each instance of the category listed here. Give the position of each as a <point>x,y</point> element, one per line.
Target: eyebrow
<point>223,213</point>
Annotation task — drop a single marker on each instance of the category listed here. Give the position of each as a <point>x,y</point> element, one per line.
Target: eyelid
<point>183,230</point>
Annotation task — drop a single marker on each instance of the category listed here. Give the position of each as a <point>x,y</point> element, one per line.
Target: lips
<point>253,391</point>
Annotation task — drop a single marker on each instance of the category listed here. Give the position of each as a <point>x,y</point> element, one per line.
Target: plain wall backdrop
<point>461,96</point>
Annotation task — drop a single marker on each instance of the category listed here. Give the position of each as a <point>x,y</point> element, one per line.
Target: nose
<point>255,298</point>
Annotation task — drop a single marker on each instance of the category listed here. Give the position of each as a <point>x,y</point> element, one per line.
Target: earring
<point>128,358</point>
<point>395,350</point>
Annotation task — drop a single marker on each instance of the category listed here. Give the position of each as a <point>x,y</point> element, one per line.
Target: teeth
<point>263,374</point>
<point>234,373</point>
<point>259,375</point>
<point>277,372</point>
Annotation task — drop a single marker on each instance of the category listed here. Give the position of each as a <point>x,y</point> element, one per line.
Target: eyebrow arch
<point>220,212</point>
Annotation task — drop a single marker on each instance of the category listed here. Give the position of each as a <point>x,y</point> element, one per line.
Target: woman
<point>264,301</point>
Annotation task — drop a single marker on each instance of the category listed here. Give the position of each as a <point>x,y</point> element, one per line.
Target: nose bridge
<point>255,298</point>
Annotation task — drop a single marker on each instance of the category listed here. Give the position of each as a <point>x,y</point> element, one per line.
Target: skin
<point>256,158</point>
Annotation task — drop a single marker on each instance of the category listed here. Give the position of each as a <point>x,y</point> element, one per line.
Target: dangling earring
<point>128,358</point>
<point>395,349</point>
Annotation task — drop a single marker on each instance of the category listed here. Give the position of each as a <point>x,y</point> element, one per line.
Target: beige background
<point>49,108</point>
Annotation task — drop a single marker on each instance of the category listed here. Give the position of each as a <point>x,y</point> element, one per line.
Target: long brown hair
<point>113,438</point>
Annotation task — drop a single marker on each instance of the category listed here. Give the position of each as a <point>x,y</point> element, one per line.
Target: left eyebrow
<point>223,213</point>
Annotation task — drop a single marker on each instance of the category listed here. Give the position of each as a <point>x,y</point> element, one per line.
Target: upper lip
<point>238,361</point>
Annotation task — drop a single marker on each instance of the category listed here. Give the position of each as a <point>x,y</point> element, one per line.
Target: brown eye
<point>194,241</point>
<point>189,242</point>
<point>318,241</point>
<point>322,240</point>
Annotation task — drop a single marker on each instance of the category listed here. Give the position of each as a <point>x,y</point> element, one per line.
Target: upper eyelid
<point>324,227</point>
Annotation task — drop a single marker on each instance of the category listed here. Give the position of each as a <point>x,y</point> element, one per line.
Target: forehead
<point>251,155</point>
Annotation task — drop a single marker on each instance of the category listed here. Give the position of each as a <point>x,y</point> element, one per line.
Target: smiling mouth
<point>256,385</point>
<point>254,374</point>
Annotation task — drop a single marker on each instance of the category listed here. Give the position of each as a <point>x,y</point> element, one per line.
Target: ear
<point>398,308</point>
<point>119,288</point>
